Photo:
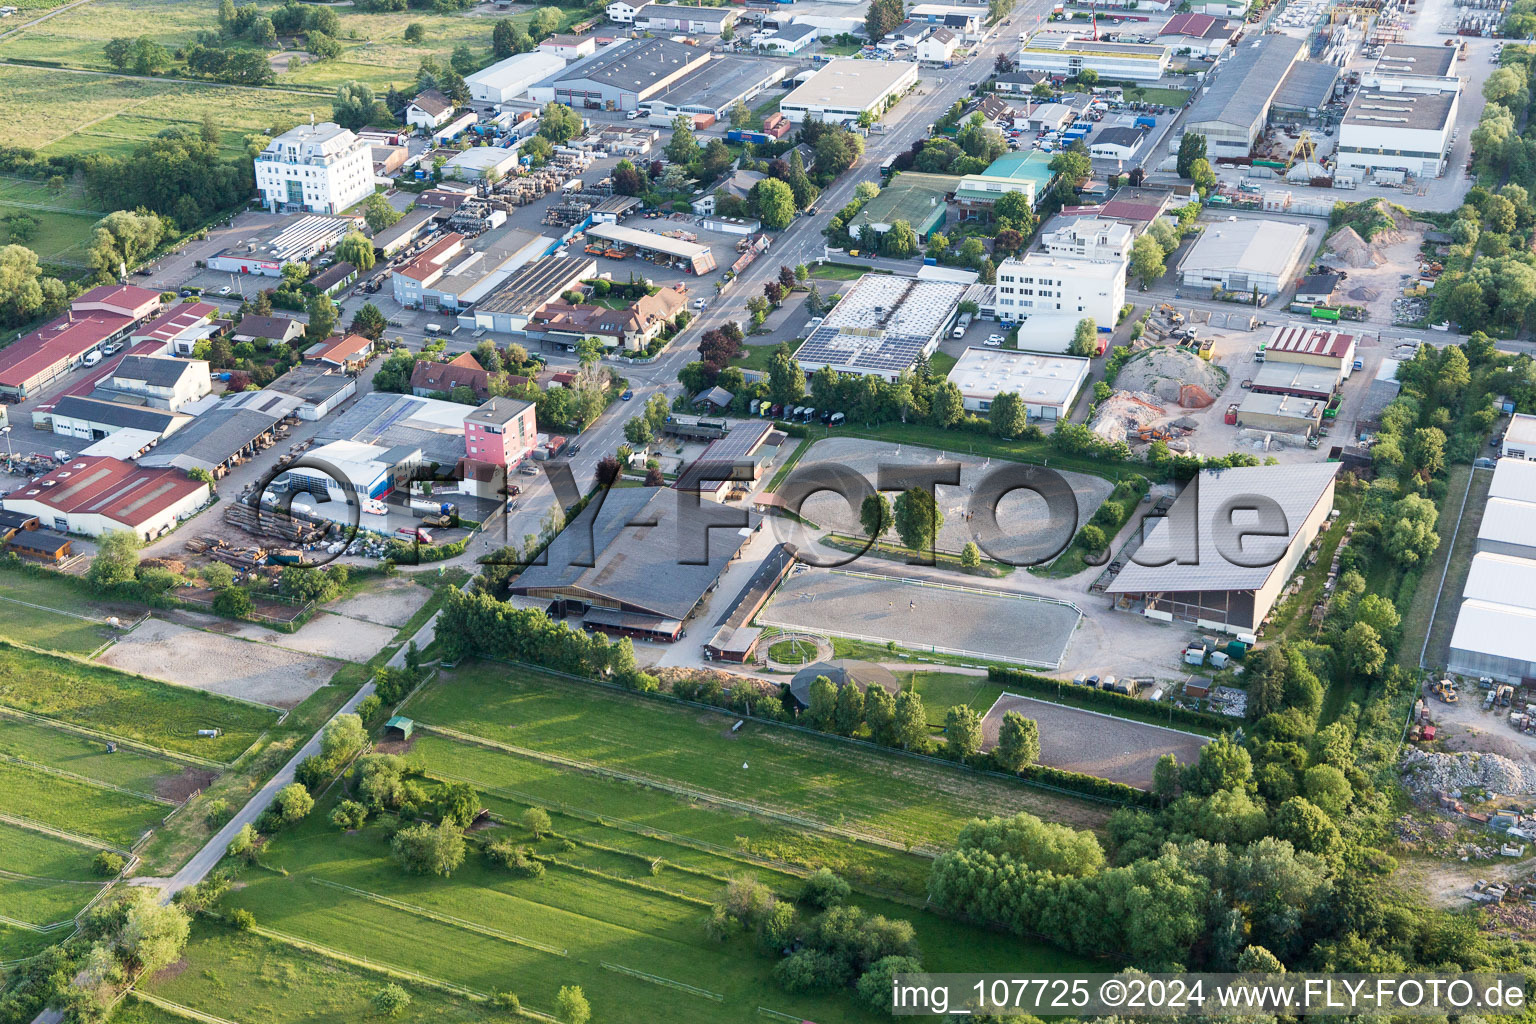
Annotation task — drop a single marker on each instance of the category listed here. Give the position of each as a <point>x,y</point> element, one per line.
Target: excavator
<point>1445,690</point>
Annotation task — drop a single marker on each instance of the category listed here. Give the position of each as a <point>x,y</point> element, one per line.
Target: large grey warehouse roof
<point>398,421</point>
<point>156,371</point>
<point>636,64</point>
<point>1406,59</point>
<point>640,568</point>
<point>533,282</point>
<point>1307,85</point>
<point>715,86</point>
<point>1247,81</point>
<point>1420,111</point>
<point>219,433</point>
<point>1296,489</point>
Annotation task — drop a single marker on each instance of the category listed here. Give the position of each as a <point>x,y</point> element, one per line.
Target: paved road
<point>203,861</point>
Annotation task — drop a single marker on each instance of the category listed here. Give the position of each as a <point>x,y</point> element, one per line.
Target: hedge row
<point>1089,785</point>
<point>1119,704</point>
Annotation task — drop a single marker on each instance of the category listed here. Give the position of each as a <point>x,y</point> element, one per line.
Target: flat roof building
<point>1203,585</point>
<point>1406,68</point>
<point>684,18</point>
<point>675,252</point>
<point>1236,98</point>
<point>1048,384</point>
<point>1520,437</point>
<point>882,325</point>
<point>1280,413</point>
<point>844,89</point>
<point>1059,290</point>
<point>1399,131</point>
<point>1066,57</point>
<point>1241,255</point>
<point>320,389</point>
<point>1306,88</point>
<point>1298,379</point>
<point>433,427</point>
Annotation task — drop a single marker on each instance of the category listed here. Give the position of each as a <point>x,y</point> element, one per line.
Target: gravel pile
<point>1163,371</point>
<point>1426,771</point>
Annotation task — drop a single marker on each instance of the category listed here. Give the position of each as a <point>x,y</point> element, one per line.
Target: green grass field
<point>943,690</point>
<point>129,706</point>
<point>43,902</point>
<point>18,943</point>
<point>32,626</point>
<point>598,900</point>
<point>819,778</point>
<point>43,856</point>
<point>270,981</point>
<point>82,756</point>
<point>63,803</point>
<point>636,814</point>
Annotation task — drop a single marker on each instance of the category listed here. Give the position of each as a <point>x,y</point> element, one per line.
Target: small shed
<point>715,397</point>
<point>399,728</point>
<point>40,545</point>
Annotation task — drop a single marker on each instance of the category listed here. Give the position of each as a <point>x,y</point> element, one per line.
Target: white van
<point>433,330</point>
<point>92,358</point>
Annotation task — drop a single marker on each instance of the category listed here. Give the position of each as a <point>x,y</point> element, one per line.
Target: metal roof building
<point>622,76</point>
<point>882,325</point>
<point>715,87</point>
<point>692,256</point>
<point>1213,590</point>
<point>221,434</point>
<point>1236,100</point>
<point>1242,255</point>
<point>642,580</point>
<point>433,427</point>
<point>1495,631</point>
<point>1307,86</point>
<point>847,88</point>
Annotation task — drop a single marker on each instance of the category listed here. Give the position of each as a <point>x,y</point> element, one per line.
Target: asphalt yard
<point>924,616</point>
<point>1094,744</point>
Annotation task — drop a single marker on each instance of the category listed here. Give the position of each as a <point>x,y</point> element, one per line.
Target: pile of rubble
<point>1352,250</point>
<point>1166,373</point>
<point>1123,414</point>
<point>1424,772</point>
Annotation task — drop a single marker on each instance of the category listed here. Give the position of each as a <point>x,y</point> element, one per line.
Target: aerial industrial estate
<point>650,512</point>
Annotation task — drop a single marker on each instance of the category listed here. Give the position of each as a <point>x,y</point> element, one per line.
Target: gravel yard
<point>325,634</point>
<point>221,664</point>
<point>1028,536</point>
<point>1094,744</point>
<point>986,624</point>
<point>388,602</point>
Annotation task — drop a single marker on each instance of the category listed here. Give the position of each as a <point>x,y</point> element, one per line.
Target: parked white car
<point>994,341</point>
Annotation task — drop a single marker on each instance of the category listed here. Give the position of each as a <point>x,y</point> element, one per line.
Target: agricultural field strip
<point>87,780</point>
<point>742,857</point>
<point>111,816</point>
<point>60,833</point>
<point>139,745</point>
<point>441,918</point>
<point>180,1010</point>
<point>356,960</point>
<point>744,806</point>
<point>19,877</point>
<point>664,982</point>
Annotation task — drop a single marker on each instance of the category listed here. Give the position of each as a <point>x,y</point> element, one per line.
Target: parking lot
<point>924,616</point>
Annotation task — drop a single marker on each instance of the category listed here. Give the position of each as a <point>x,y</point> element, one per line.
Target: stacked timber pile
<point>294,527</point>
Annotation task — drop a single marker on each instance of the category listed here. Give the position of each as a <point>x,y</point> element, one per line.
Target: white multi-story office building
<point>1060,287</point>
<point>321,168</point>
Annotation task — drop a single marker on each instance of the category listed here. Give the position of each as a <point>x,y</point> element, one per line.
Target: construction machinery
<point>1504,695</point>
<point>1305,150</point>
<point>1445,691</point>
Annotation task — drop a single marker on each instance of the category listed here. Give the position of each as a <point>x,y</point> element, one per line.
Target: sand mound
<point>1125,412</point>
<point>1365,294</point>
<point>1352,250</point>
<point>1165,372</point>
